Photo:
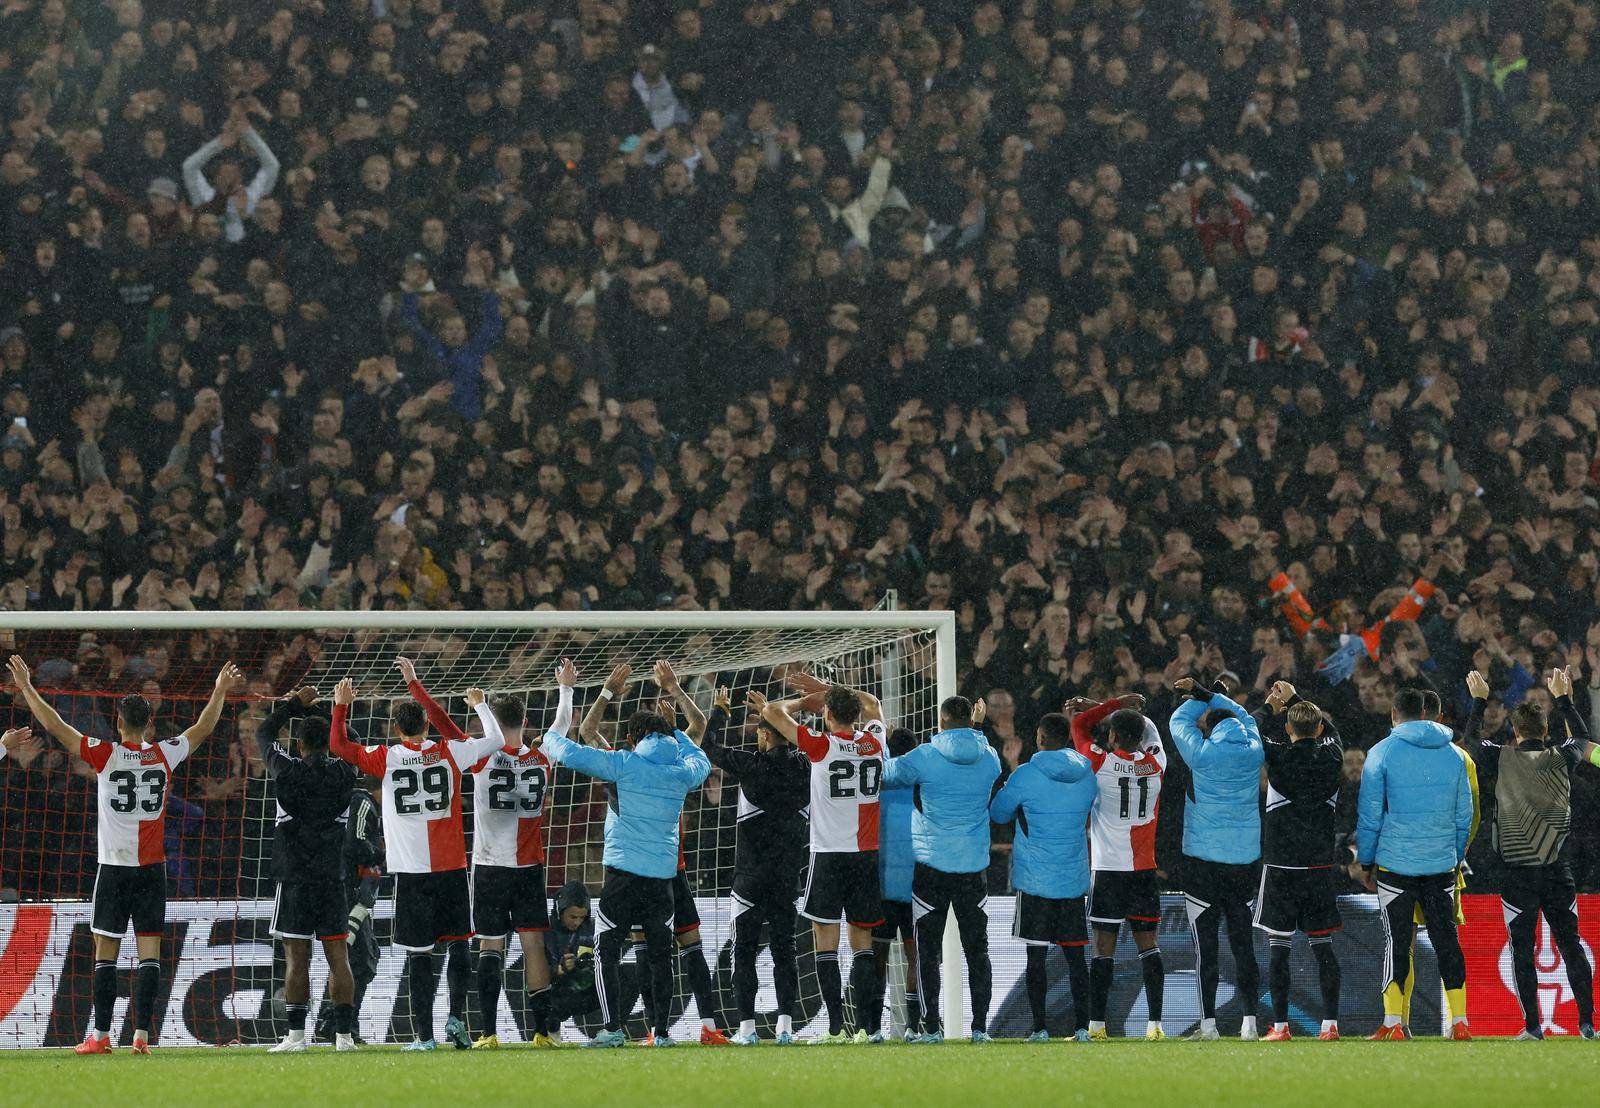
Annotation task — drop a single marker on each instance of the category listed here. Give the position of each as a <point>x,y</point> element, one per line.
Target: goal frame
<point>941,623</point>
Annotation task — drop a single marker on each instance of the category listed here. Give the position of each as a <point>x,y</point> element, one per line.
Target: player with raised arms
<point>1129,766</point>
<point>131,778</point>
<point>846,776</point>
<point>313,798</point>
<point>649,781</point>
<point>508,886</point>
<point>769,852</point>
<point>427,851</point>
<point>1049,798</point>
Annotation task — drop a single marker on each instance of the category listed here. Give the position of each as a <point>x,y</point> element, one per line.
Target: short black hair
<point>901,742</point>
<point>1410,704</point>
<point>1432,706</point>
<point>314,732</point>
<point>1528,721</point>
<point>509,710</point>
<point>1127,729</point>
<point>643,723</point>
<point>408,718</point>
<point>842,704</point>
<point>134,712</point>
<point>957,710</point>
<point>1055,731</point>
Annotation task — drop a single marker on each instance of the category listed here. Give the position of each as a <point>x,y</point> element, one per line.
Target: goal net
<point>223,973</point>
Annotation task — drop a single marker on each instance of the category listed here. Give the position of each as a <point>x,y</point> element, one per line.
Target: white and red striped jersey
<point>846,774</point>
<point>422,830</point>
<point>1122,823</point>
<point>509,788</point>
<point>132,783</point>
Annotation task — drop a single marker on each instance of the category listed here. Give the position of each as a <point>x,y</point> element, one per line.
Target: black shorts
<point>1526,891</point>
<point>1117,895</point>
<point>685,913</point>
<point>631,902</point>
<point>1290,900</point>
<point>310,910</point>
<point>130,893</point>
<point>1209,884</point>
<point>507,899</point>
<point>1045,921</point>
<point>897,922</point>
<point>847,884</point>
<point>431,908</point>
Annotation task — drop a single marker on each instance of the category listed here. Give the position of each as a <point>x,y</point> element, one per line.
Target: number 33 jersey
<point>508,790</point>
<point>1122,823</point>
<point>132,785</point>
<point>846,776</point>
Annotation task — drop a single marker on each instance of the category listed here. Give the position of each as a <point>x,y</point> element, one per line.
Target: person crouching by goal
<point>649,782</point>
<point>131,776</point>
<point>313,795</point>
<point>508,890</point>
<point>426,847</point>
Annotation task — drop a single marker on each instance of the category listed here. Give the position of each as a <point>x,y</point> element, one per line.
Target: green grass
<point>1006,1074</point>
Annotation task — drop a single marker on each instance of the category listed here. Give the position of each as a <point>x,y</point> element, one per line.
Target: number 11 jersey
<point>132,786</point>
<point>846,775</point>
<point>1122,823</point>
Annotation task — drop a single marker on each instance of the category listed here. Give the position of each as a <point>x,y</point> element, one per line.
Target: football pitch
<point>1001,1075</point>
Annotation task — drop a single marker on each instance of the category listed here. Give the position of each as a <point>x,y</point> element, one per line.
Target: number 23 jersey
<point>508,789</point>
<point>132,786</point>
<point>846,776</point>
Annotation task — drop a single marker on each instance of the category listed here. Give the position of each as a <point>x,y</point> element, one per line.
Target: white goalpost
<point>217,861</point>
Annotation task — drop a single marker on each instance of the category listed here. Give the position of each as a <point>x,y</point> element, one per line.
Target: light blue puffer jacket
<point>953,774</point>
<point>1414,815</point>
<point>1222,816</point>
<point>1049,797</point>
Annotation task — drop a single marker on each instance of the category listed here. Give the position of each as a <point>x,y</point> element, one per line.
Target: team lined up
<point>890,834</point>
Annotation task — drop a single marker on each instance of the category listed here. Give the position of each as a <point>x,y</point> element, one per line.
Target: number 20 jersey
<point>846,776</point>
<point>508,791</point>
<point>132,787</point>
<point>1122,824</point>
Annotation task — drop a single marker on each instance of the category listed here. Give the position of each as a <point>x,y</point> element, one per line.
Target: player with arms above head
<point>685,913</point>
<point>132,776</point>
<point>508,887</point>
<point>1304,770</point>
<point>952,777</point>
<point>847,759</point>
<point>1050,797</point>
<point>1221,843</point>
<point>313,797</point>
<point>1531,778</point>
<point>427,850</point>
<point>768,854</point>
<point>1129,766</point>
<point>649,783</point>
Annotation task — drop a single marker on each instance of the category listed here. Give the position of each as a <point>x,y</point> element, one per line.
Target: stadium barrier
<point>222,974</point>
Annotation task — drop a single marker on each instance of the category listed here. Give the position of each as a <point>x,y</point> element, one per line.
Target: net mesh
<point>223,973</point>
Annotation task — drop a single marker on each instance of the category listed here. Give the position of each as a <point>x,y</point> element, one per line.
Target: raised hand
<point>20,677</point>
<point>16,737</point>
<point>755,702</point>
<point>805,683</point>
<point>306,694</point>
<point>723,699</point>
<point>1558,683</point>
<point>618,681</point>
<point>407,668</point>
<point>663,675</point>
<point>229,678</point>
<point>1185,685</point>
<point>474,697</point>
<point>979,710</point>
<point>567,674</point>
<point>1478,685</point>
<point>345,692</point>
<point>1133,702</point>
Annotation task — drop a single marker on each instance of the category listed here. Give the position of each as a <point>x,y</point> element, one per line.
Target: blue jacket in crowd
<point>953,774</point>
<point>895,858</point>
<point>1222,820</point>
<point>650,782</point>
<point>1414,814</point>
<point>1049,796</point>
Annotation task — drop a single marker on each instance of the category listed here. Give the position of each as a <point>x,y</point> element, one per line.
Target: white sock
<point>1208,1024</point>
<point>1248,1025</point>
<point>1097,1025</point>
<point>140,1036</point>
<point>1391,1021</point>
<point>785,1025</point>
<point>297,1036</point>
<point>1458,1019</point>
<point>747,1027</point>
<point>1330,1025</point>
<point>343,1039</point>
<point>1280,1027</point>
<point>1149,1026</point>
<point>709,1025</point>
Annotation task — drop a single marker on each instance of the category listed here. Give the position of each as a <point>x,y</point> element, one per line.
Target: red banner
<point>1492,991</point>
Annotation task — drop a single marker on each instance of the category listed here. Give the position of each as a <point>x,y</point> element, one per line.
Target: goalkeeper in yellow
<point>1417,812</point>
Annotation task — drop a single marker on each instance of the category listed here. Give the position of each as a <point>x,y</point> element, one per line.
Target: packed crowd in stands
<point>1251,337</point>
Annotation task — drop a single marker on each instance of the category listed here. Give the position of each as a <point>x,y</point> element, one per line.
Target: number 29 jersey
<point>132,787</point>
<point>846,775</point>
<point>1122,823</point>
<point>508,789</point>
